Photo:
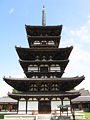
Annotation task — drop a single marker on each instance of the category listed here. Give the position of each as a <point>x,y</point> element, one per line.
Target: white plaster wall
<point>55,68</point>
<point>67,103</point>
<point>54,105</point>
<point>22,107</point>
<point>32,105</point>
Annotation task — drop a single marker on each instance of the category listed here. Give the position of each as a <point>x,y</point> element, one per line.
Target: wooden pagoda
<point>44,64</point>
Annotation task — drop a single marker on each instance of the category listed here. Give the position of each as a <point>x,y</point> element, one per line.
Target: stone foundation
<point>19,117</point>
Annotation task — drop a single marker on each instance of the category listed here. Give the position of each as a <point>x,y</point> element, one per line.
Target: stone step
<point>44,117</point>
<point>19,117</point>
<point>79,115</point>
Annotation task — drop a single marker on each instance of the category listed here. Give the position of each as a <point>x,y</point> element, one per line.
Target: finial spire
<point>43,16</point>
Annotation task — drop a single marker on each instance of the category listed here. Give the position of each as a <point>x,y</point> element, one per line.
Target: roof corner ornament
<point>43,16</point>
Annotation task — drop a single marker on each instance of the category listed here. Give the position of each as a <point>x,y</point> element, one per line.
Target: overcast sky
<point>74,15</point>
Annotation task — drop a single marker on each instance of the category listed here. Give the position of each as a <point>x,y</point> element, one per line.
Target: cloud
<point>11,11</point>
<point>82,34</point>
<point>80,57</point>
<point>89,19</point>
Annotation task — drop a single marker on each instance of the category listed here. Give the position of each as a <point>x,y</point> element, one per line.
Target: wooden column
<point>26,104</point>
<point>17,106</point>
<point>9,107</point>
<point>61,101</point>
<point>81,106</point>
<point>0,107</point>
<point>38,68</point>
<point>70,105</point>
<point>61,108</point>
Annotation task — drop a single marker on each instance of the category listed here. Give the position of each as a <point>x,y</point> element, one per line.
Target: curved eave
<point>28,53</point>
<point>30,29</point>
<point>58,74</point>
<point>18,96</point>
<point>43,27</point>
<point>33,38</point>
<point>24,83</point>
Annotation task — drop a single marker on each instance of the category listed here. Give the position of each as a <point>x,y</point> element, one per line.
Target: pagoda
<point>43,64</point>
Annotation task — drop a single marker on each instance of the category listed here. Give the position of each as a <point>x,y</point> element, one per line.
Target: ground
<point>87,115</point>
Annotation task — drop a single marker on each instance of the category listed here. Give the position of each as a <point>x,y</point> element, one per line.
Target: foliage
<point>87,115</point>
<point>14,91</point>
<point>2,116</point>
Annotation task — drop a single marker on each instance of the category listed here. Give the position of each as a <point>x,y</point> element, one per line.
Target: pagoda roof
<point>43,27</point>
<point>31,39</point>
<point>38,30</point>
<point>56,53</point>
<point>65,84</point>
<point>44,62</point>
<point>44,95</point>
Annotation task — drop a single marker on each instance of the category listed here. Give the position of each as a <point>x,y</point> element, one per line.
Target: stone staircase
<point>19,117</point>
<point>44,117</point>
<point>79,115</point>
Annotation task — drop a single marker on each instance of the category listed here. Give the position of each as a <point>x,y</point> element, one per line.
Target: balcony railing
<point>44,71</point>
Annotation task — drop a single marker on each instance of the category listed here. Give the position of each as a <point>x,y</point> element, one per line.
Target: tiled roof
<point>7,100</point>
<point>81,99</point>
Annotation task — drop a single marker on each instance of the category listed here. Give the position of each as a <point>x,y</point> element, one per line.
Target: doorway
<point>44,107</point>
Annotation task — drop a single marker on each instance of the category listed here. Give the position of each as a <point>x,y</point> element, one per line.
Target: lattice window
<point>54,87</point>
<point>51,43</point>
<point>33,68</point>
<point>55,68</point>
<point>44,42</point>
<point>44,87</point>
<point>33,87</point>
<point>36,43</point>
<point>43,68</point>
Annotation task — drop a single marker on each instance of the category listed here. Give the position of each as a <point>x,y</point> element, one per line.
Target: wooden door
<point>44,107</point>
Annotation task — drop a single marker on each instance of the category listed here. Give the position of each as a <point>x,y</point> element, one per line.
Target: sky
<point>74,15</point>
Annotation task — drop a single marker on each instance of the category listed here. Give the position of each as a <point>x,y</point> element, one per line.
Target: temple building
<point>43,64</point>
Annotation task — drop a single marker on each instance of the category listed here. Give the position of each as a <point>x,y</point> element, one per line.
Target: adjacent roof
<point>7,100</point>
<point>84,92</point>
<point>81,99</point>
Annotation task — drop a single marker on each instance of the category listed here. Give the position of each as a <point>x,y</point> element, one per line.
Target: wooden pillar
<point>26,104</point>
<point>70,105</point>
<point>0,107</point>
<point>81,106</point>
<point>62,101</point>
<point>17,106</point>
<point>38,68</point>
<point>9,107</point>
<point>67,111</point>
<point>61,108</point>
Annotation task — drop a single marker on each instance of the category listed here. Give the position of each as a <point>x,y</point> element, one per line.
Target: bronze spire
<point>43,16</point>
